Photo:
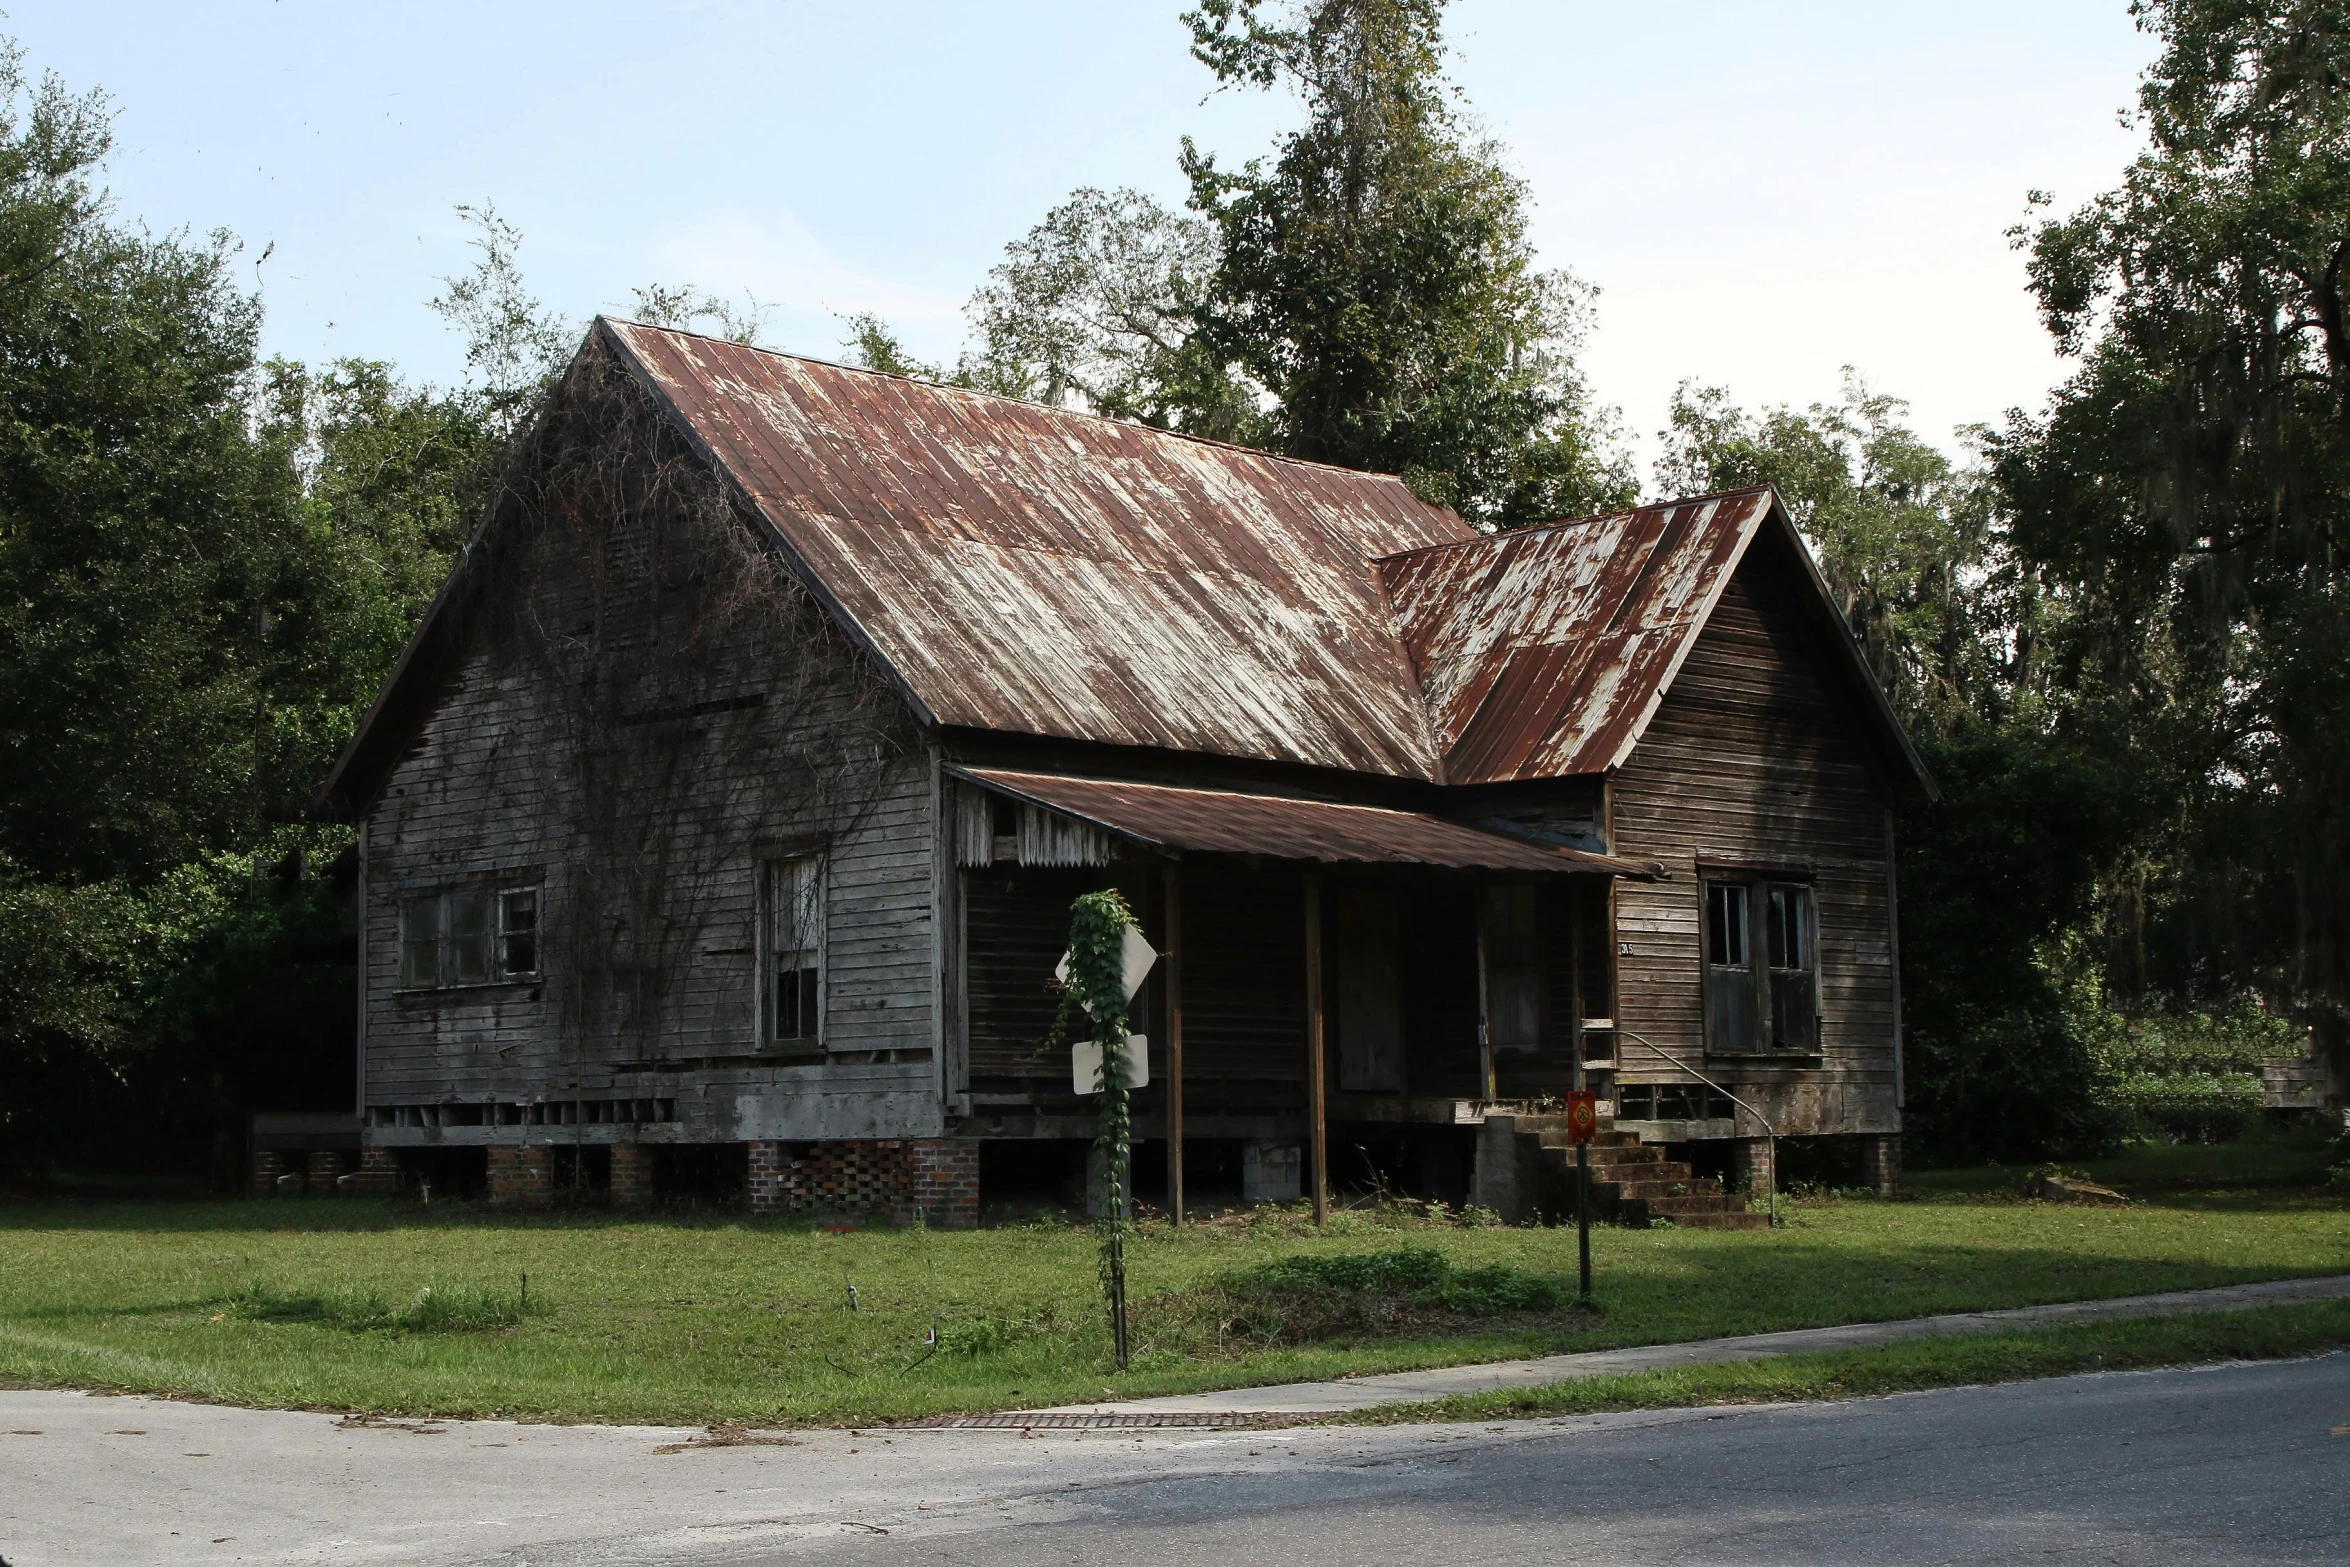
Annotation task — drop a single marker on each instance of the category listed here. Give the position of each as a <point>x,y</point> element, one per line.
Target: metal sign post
<point>1582,1123</point>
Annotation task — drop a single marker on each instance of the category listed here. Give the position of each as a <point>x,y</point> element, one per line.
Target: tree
<point>1375,280</point>
<point>1999,877</point>
<point>1903,536</point>
<point>686,307</point>
<point>513,344</point>
<point>2186,497</point>
<point>1097,309</point>
<point>141,525</point>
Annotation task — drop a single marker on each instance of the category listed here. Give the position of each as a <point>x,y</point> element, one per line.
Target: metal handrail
<point>1769,1130</point>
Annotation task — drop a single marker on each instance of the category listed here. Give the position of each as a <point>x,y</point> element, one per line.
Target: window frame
<point>496,896</point>
<point>1763,892</point>
<point>768,979</point>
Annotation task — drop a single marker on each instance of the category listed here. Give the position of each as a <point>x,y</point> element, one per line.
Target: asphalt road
<point>2237,1464</point>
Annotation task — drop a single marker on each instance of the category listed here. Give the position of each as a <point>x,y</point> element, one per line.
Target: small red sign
<point>1582,1115</point>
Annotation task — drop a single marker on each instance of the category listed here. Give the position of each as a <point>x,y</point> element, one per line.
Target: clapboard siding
<point>714,734</point>
<point>1752,757</point>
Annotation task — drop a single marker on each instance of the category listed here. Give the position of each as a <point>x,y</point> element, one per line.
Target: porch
<point>1377,981</point>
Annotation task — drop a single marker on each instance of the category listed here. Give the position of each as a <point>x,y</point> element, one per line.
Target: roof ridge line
<point>1551,524</point>
<point>1006,397</point>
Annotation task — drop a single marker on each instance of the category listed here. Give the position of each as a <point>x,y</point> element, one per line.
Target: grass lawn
<point>311,1303</point>
<point>2263,1333</point>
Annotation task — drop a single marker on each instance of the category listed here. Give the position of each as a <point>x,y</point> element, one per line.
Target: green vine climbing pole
<point>1098,922</point>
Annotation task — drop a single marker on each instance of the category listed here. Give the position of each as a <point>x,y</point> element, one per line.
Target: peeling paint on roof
<point>1227,821</point>
<point>1544,652</point>
<point>1029,570</point>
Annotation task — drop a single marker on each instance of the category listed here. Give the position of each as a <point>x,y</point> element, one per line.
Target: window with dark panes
<point>794,920</point>
<point>1513,969</point>
<point>1733,1014</point>
<point>476,935</point>
<point>1761,966</point>
<point>1794,964</point>
<point>465,937</point>
<point>518,932</point>
<point>420,941</point>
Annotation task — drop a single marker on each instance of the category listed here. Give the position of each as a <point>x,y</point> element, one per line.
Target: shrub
<point>1310,1299</point>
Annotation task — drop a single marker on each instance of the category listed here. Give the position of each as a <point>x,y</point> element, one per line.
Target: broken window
<point>472,935</point>
<point>518,932</point>
<point>1761,966</point>
<point>794,922</point>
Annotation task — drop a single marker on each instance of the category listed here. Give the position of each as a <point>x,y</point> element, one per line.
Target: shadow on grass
<point>353,1215</point>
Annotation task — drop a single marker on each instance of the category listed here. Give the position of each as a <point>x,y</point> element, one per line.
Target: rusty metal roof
<point>1544,652</point>
<point>1027,570</point>
<point>1030,570</point>
<point>1223,821</point>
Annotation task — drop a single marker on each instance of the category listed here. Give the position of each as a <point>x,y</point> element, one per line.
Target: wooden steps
<point>1633,1183</point>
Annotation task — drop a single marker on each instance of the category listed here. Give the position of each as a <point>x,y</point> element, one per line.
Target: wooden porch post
<point>1316,1097</point>
<point>1174,981</point>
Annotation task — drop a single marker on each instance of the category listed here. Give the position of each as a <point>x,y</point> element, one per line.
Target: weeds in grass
<point>1321,1298</point>
<point>364,1308</point>
<point>697,1320</point>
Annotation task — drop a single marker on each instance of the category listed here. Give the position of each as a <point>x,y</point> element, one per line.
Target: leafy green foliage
<point>1902,535</point>
<point>1097,308</point>
<point>2184,497</point>
<point>207,567</point>
<point>2194,1077</point>
<point>1375,278</point>
<point>141,527</point>
<point>1098,922</point>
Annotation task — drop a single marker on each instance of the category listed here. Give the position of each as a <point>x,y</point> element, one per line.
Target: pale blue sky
<point>1763,192</point>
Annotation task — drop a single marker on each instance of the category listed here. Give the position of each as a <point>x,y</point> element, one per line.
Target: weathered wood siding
<point>1754,757</point>
<point>714,731</point>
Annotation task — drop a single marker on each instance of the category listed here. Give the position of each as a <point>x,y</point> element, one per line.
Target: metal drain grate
<point>1108,1421</point>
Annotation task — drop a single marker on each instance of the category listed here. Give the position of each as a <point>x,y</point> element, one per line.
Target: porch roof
<point>1230,821</point>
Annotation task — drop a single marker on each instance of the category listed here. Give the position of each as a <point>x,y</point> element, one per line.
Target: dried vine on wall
<point>693,706</point>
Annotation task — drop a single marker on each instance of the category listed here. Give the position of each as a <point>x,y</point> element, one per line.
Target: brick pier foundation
<point>895,1178</point>
<point>1880,1162</point>
<point>632,1175</point>
<point>379,1172</point>
<point>522,1177</point>
<point>322,1169</point>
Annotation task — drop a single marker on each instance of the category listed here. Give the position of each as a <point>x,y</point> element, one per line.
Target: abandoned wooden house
<point>727,809</point>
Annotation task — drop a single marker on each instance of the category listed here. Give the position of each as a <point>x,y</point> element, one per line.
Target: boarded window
<point>793,896</point>
<point>1761,966</point>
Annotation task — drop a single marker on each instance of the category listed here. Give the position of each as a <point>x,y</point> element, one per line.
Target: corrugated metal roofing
<point>1026,570</point>
<point>1544,652</point>
<point>1223,821</point>
<point>1029,570</point>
